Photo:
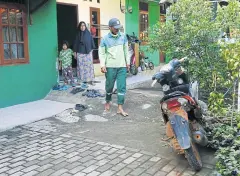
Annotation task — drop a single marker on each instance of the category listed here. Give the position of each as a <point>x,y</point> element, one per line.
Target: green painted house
<point>29,44</point>
<point>28,50</point>
<point>140,15</point>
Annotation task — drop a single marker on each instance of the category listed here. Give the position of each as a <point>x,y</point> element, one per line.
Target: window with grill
<point>13,38</point>
<point>143,21</point>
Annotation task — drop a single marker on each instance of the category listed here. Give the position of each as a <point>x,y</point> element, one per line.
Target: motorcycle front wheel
<point>193,157</point>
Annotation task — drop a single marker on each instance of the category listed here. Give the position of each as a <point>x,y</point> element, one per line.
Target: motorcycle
<point>132,39</point>
<point>181,112</point>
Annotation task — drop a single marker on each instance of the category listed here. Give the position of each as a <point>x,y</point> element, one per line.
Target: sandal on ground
<point>80,107</point>
<point>124,114</point>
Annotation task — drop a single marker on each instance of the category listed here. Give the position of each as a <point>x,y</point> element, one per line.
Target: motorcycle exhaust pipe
<point>200,138</point>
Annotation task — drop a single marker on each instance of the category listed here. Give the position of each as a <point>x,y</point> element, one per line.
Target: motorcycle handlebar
<point>153,83</point>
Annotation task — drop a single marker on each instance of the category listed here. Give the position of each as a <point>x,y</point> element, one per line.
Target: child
<point>65,58</point>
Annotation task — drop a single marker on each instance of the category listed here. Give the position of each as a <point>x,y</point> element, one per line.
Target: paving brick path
<point>27,152</point>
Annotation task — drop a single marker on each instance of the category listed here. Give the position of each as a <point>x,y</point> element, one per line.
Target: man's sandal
<point>124,114</point>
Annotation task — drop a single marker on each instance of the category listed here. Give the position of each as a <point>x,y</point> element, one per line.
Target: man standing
<point>115,60</point>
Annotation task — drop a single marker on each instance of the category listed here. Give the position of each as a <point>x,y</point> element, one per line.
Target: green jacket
<point>113,51</point>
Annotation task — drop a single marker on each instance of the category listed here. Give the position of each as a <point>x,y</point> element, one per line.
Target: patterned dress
<point>85,68</point>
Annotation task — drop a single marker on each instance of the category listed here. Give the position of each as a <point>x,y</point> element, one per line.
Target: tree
<point>196,30</point>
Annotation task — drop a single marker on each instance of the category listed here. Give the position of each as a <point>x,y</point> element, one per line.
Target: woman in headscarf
<point>83,47</point>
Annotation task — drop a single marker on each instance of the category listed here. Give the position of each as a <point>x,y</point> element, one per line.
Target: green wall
<point>132,23</point>
<point>30,82</point>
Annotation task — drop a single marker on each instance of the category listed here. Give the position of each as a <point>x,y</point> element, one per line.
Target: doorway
<point>67,21</point>
<point>95,31</point>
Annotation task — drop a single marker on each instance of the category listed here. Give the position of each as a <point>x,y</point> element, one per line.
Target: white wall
<point>108,9</point>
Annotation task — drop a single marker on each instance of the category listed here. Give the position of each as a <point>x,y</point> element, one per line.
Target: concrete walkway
<point>29,112</point>
<point>132,80</point>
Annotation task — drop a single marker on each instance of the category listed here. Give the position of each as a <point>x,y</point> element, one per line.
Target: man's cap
<point>114,22</point>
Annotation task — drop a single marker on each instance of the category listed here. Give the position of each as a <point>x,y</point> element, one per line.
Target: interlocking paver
<point>94,173</point>
<point>90,169</point>
<point>116,161</point>
<point>134,165</point>
<point>4,169</point>
<point>124,171</point>
<point>46,172</point>
<point>137,155</point>
<point>17,174</point>
<point>30,168</point>
<point>90,162</point>
<point>155,159</point>
<point>168,168</point>
<point>129,160</point>
<point>59,172</point>
<point>44,167</point>
<point>118,167</point>
<point>138,171</point>
<point>32,173</point>
<point>60,165</point>
<point>107,173</point>
<point>160,173</point>
<point>30,163</point>
<point>4,165</point>
<point>77,169</point>
<point>104,167</point>
<point>73,165</point>
<point>14,170</point>
<point>80,174</point>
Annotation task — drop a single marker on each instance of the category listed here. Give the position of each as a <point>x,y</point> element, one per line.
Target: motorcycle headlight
<point>180,81</point>
<point>165,87</point>
<point>182,101</point>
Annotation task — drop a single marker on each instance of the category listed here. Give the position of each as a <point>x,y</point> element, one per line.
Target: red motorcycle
<point>181,112</point>
<point>132,39</point>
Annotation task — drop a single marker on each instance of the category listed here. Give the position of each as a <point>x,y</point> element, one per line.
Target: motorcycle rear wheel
<point>133,70</point>
<point>193,157</point>
<point>142,67</point>
<point>151,65</point>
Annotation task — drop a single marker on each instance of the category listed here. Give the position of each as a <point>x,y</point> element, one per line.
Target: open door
<point>67,21</point>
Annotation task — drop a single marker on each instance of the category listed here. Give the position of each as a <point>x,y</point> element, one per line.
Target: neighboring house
<point>140,15</point>
<point>96,14</point>
<point>28,50</point>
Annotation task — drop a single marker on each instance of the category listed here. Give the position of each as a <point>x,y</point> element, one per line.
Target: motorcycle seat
<point>172,95</point>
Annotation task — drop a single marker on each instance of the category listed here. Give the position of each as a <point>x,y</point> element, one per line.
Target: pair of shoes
<point>73,85</point>
<point>97,92</point>
<point>80,107</point>
<point>77,90</point>
<point>64,87</point>
<point>91,93</point>
<point>56,87</point>
<point>59,87</point>
<point>84,86</point>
